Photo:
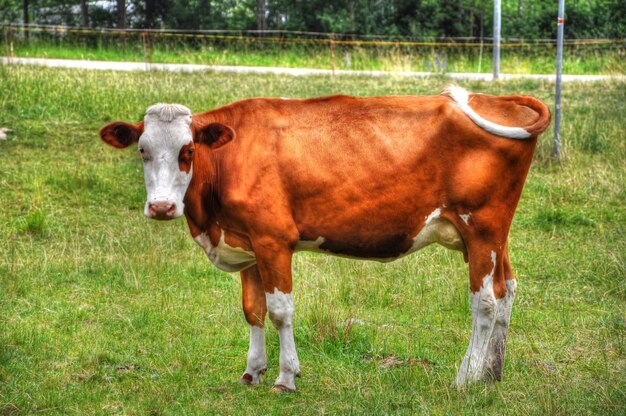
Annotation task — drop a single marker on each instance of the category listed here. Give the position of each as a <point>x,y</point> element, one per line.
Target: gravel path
<point>141,66</point>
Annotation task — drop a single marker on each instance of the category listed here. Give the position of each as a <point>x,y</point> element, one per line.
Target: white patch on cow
<point>461,97</point>
<point>205,242</point>
<point>433,215</point>
<point>493,269</point>
<point>497,345</point>
<point>225,257</point>
<point>465,217</point>
<point>304,245</point>
<point>257,360</point>
<point>437,230</point>
<point>280,309</point>
<point>486,312</point>
<point>504,309</point>
<point>166,131</point>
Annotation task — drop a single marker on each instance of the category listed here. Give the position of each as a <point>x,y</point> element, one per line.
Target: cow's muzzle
<point>162,210</point>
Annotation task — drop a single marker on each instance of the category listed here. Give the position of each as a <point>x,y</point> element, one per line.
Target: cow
<point>372,178</point>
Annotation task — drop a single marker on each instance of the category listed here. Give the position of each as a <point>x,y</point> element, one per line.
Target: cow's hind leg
<point>254,308</point>
<point>487,286</point>
<point>503,318</point>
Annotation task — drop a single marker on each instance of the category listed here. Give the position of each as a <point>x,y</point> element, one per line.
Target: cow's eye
<point>144,154</point>
<point>190,152</point>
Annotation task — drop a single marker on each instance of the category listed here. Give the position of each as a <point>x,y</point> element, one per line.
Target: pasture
<point>103,311</point>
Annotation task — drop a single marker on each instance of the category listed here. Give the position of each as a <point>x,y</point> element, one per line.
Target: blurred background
<point>396,35</point>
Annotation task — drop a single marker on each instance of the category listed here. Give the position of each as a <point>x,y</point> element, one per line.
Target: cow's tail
<point>461,98</point>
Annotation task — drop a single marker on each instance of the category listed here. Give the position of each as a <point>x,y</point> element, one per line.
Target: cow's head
<point>166,141</point>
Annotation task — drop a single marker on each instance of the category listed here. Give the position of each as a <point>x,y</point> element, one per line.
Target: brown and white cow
<point>368,178</point>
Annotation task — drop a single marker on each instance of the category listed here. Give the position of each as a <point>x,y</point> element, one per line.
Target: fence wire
<point>313,49</point>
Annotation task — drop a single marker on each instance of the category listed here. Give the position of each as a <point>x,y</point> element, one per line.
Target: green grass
<point>105,312</point>
<point>529,59</point>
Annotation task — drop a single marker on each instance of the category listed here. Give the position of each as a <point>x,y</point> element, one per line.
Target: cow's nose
<point>161,210</point>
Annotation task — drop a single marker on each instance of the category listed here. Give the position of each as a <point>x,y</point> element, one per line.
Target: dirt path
<point>141,66</point>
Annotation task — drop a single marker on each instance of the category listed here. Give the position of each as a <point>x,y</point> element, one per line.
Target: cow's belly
<point>225,257</point>
<point>383,248</point>
<point>388,248</point>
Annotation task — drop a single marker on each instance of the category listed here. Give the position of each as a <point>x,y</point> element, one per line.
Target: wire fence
<point>308,49</point>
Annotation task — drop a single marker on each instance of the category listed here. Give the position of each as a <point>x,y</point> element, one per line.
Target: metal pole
<point>332,54</point>
<point>559,69</point>
<point>146,59</point>
<point>496,39</point>
<point>11,51</point>
<point>480,56</point>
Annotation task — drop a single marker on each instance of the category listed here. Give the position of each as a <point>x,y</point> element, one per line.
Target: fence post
<point>11,51</point>
<point>146,50</point>
<point>6,40</point>
<point>331,45</point>
<point>480,56</point>
<point>559,69</point>
<point>496,39</point>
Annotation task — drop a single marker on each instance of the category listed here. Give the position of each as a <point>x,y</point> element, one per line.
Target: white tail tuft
<point>461,98</point>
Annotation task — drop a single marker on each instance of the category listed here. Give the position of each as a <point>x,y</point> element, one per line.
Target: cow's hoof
<point>246,379</point>
<point>280,388</point>
<point>250,380</point>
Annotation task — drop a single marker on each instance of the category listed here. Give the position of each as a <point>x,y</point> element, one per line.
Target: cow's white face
<point>166,144</point>
<point>166,148</point>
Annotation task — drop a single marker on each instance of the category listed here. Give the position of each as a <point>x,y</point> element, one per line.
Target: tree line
<point>530,19</point>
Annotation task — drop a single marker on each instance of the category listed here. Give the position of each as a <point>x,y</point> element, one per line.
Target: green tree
<point>434,18</point>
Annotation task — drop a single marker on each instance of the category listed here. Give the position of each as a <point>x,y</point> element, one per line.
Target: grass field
<point>587,59</point>
<point>103,311</point>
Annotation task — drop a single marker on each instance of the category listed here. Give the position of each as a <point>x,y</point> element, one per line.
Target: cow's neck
<point>202,198</point>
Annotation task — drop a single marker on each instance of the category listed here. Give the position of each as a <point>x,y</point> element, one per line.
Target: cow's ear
<point>215,135</point>
<point>119,134</point>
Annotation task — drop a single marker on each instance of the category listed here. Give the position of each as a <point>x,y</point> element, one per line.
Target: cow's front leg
<point>254,308</point>
<point>281,309</point>
<point>274,263</point>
